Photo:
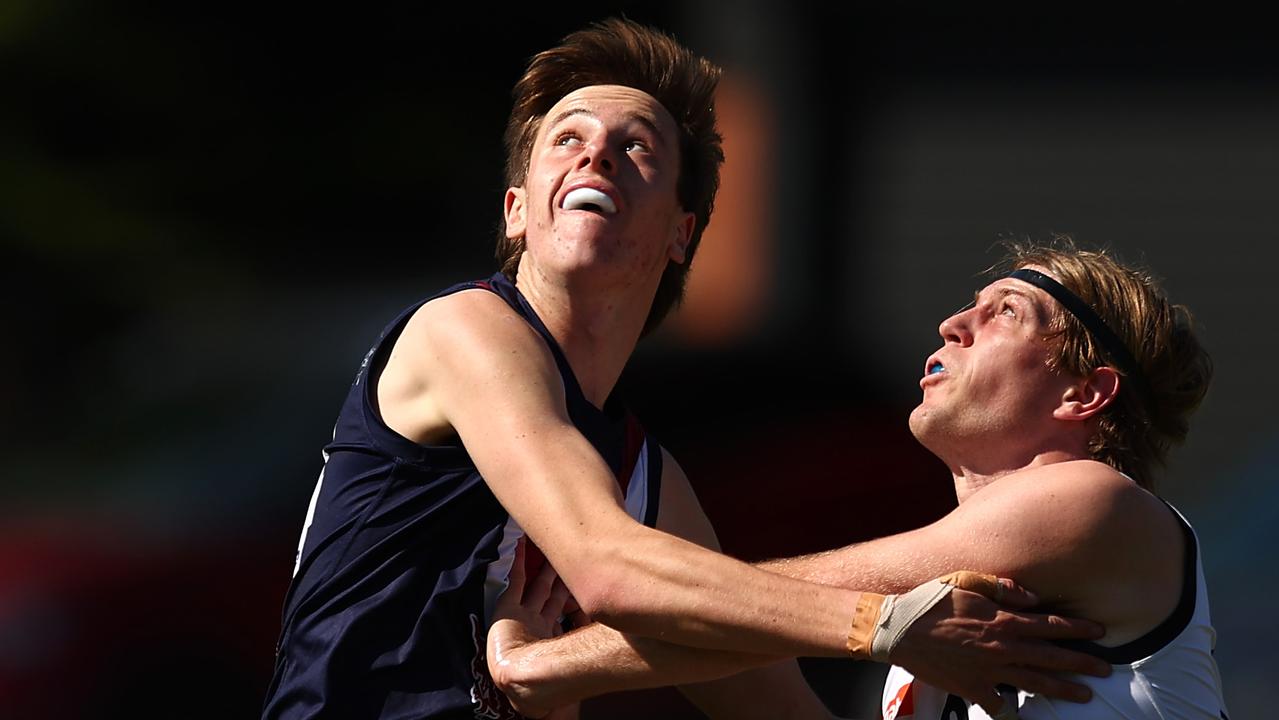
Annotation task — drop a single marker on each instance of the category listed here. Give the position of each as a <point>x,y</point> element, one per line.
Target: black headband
<point>1105,337</point>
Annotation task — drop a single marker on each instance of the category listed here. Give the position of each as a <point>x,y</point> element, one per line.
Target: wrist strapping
<point>880,621</point>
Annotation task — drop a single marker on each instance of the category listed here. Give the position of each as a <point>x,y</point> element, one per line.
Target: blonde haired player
<point>1052,399</point>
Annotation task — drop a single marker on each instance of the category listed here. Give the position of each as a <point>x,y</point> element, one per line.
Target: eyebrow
<point>637,117</point>
<point>1040,312</point>
<point>1005,291</point>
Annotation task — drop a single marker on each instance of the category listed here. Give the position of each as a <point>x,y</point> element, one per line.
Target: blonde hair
<point>1136,431</point>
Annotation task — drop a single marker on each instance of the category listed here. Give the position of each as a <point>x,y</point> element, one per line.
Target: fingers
<point>571,606</point>
<point>538,591</point>
<point>547,596</point>
<point>1024,638</point>
<point>979,583</point>
<point>1015,596</point>
<point>553,610</point>
<point>1055,627</point>
<point>1047,685</point>
<point>1028,647</point>
<point>1058,659</point>
<point>1002,590</point>
<point>577,619</point>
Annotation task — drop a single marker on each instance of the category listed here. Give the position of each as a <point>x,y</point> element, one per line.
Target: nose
<point>956,329</point>
<point>598,157</point>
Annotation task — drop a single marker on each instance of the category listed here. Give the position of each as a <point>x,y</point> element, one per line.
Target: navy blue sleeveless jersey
<point>404,550</point>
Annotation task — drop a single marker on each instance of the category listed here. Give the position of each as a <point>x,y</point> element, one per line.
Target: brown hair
<point>1134,433</point>
<point>622,52</point>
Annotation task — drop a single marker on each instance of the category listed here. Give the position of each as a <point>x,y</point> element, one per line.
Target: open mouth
<point>935,368</point>
<point>589,199</point>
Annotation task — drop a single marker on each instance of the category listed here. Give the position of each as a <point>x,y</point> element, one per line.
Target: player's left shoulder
<point>1103,503</point>
<point>1079,499</point>
<point>1079,480</point>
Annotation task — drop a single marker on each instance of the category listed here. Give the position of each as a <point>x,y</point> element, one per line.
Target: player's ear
<point>681,234</point>
<point>514,212</point>
<point>1088,396</point>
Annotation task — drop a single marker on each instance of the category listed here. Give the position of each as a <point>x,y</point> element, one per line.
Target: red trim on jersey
<point>902,706</point>
<point>631,450</point>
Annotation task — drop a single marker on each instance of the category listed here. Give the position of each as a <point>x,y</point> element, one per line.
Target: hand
<point>524,614</point>
<point>966,645</point>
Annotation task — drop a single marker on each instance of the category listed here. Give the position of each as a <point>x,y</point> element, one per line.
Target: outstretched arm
<point>539,674</point>
<point>541,677</point>
<point>966,645</point>
<point>485,374</point>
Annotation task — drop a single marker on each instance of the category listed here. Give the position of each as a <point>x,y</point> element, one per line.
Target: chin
<point>927,425</point>
<point>918,419</point>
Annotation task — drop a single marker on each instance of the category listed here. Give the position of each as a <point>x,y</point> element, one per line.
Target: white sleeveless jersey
<point>1167,674</point>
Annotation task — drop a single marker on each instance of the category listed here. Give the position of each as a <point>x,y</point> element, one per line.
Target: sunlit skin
<point>994,404</point>
<point>467,365</point>
<point>625,144</point>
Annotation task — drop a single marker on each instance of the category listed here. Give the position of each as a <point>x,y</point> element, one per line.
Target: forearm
<point>658,586</point>
<point>824,568</point>
<point>887,565</point>
<point>597,659</point>
<point>646,582</point>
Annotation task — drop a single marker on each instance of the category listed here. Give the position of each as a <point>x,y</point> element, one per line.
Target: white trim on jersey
<point>1179,680</point>
<point>497,577</point>
<point>637,488</point>
<point>310,509</point>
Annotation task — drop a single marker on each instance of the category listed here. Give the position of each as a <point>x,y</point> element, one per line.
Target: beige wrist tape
<point>880,621</point>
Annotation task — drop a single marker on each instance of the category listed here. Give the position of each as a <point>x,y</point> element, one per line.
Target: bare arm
<point>770,688</point>
<point>596,659</point>
<point>484,372</point>
<point>1086,539</point>
<point>541,676</point>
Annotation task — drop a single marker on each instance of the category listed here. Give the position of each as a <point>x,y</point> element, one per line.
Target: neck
<point>972,472</point>
<point>971,478</point>
<point>596,327</point>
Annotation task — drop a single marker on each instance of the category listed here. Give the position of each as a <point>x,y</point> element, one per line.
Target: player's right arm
<point>539,672</point>
<point>467,363</point>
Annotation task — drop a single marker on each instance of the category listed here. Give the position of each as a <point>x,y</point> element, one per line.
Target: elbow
<point>607,593</point>
<point>622,580</point>
<point>603,597</point>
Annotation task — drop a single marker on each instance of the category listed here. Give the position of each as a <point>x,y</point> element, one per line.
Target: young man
<point>486,414</point>
<point>1051,399</point>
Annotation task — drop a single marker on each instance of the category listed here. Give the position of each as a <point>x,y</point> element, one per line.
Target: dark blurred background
<point>209,210</point>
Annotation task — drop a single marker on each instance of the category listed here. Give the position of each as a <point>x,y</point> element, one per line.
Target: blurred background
<point>208,212</point>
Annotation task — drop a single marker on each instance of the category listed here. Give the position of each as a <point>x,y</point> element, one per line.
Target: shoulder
<point>1086,536</point>
<point>1090,490</point>
<point>467,310</point>
<point>472,326</point>
<point>1061,513</point>
<point>464,351</point>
